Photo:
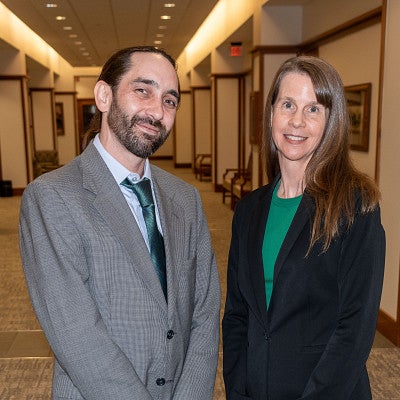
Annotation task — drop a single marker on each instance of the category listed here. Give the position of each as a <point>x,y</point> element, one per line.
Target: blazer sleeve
<point>56,272</point>
<point>198,376</point>
<point>360,281</point>
<point>234,324</point>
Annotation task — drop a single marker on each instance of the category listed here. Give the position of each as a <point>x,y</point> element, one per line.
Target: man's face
<point>144,105</point>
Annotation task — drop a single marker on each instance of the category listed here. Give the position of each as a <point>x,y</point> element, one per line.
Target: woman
<point>307,253</point>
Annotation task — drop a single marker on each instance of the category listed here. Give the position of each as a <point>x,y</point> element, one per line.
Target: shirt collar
<point>118,171</point>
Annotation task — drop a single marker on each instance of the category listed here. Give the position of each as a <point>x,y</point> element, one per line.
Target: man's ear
<point>103,96</point>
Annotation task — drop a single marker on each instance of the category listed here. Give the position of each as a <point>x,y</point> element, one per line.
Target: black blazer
<point>314,340</point>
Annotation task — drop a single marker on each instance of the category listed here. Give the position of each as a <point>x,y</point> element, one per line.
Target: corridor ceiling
<point>93,29</point>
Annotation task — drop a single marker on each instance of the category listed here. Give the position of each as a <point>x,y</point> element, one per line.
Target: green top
<point>280,217</point>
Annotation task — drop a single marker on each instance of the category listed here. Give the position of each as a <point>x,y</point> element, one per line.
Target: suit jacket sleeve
<point>234,324</point>
<point>57,276</point>
<point>198,375</point>
<point>361,267</point>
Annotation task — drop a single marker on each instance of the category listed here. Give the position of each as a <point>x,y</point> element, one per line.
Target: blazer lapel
<point>258,221</point>
<point>174,236</point>
<point>302,216</point>
<point>113,207</point>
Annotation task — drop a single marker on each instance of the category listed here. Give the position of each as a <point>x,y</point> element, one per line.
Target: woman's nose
<point>297,119</point>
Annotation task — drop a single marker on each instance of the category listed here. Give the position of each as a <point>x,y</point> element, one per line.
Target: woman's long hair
<point>330,177</point>
<point>113,71</point>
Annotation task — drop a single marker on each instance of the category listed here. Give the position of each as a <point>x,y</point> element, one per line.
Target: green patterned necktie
<point>143,192</point>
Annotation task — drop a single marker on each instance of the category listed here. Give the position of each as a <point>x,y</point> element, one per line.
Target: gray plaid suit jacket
<point>97,295</point>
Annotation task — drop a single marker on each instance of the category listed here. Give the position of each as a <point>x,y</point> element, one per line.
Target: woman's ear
<point>102,96</point>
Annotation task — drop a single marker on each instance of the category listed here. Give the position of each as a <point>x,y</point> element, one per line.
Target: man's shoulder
<point>165,178</point>
<point>61,177</point>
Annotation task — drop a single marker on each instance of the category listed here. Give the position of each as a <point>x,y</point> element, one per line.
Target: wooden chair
<point>236,182</point>
<point>202,166</point>
<point>45,161</point>
<point>241,186</point>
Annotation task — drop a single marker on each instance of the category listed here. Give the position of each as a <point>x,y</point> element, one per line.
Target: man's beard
<point>133,139</point>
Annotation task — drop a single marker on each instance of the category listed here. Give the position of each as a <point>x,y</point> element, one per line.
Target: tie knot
<point>142,190</point>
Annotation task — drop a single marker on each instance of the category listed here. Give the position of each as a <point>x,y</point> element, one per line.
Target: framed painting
<point>59,110</point>
<point>358,99</point>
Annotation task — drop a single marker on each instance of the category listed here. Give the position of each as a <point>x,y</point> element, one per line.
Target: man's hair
<point>112,72</point>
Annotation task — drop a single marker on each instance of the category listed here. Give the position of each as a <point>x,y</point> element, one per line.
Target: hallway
<point>25,357</point>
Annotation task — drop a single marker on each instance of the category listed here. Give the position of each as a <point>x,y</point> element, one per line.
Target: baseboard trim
<point>388,327</point>
<point>183,165</point>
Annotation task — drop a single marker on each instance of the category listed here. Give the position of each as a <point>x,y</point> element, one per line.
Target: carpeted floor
<point>26,377</point>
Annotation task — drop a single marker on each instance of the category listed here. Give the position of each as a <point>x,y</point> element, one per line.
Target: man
<point>87,252</point>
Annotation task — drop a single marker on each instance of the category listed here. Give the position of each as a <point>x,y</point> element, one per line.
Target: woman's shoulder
<point>256,196</point>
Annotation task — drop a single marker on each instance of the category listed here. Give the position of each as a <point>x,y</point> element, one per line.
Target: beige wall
<point>356,57</point>
<point>390,159</point>
<point>12,138</point>
<point>183,132</point>
<point>323,15</point>
<point>226,133</point>
<point>42,120</point>
<point>202,120</point>
<point>66,144</point>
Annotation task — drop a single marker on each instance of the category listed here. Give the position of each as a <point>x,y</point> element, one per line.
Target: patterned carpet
<point>26,379</point>
<point>30,378</point>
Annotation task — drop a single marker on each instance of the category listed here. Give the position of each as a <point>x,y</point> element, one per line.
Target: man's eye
<point>171,103</point>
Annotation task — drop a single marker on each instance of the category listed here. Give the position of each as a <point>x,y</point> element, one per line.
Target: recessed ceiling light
<point>165,17</point>
<point>169,5</point>
<point>61,18</point>
<point>73,35</point>
<point>67,28</point>
<point>86,54</point>
<point>162,27</point>
<point>51,5</point>
<point>78,43</point>
<point>160,35</point>
<point>157,42</point>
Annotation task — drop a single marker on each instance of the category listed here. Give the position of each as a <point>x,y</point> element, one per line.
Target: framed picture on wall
<point>86,110</point>
<point>59,110</point>
<point>358,99</point>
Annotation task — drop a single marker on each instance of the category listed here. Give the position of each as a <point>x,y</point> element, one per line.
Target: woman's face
<point>298,121</point>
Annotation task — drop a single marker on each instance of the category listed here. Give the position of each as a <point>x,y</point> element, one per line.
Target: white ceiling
<point>104,26</point>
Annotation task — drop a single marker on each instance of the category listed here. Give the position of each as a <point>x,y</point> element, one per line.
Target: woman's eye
<point>287,106</point>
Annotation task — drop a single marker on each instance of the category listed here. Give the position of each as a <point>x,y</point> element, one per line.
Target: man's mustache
<point>147,120</point>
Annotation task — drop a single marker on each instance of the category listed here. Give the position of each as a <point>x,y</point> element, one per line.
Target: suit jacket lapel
<point>258,221</point>
<point>173,232</point>
<point>113,207</point>
<point>300,219</point>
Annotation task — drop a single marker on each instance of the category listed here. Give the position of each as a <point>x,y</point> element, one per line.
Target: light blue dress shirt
<point>119,173</point>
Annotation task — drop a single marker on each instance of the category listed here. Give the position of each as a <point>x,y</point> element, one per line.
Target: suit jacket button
<point>170,334</point>
<point>160,382</point>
